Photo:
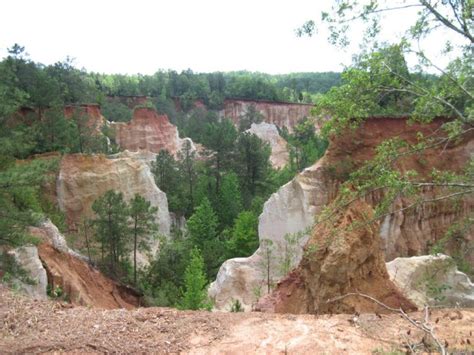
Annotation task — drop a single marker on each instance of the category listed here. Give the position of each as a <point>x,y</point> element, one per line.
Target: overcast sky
<point>142,36</point>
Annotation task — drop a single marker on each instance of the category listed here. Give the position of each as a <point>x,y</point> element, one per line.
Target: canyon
<point>294,207</point>
<point>299,268</point>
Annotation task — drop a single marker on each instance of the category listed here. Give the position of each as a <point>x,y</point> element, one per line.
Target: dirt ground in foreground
<point>29,326</point>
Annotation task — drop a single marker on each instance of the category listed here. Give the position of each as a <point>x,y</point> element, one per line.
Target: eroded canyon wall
<point>290,210</point>
<point>84,178</point>
<point>69,271</point>
<point>148,131</point>
<point>281,114</point>
<point>406,233</point>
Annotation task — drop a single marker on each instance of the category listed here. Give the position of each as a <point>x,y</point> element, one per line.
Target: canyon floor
<point>29,326</point>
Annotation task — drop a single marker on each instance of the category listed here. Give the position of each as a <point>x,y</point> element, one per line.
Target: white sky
<point>142,36</point>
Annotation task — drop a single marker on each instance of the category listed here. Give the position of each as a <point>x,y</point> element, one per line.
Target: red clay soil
<point>354,147</point>
<point>334,264</point>
<point>147,130</point>
<point>417,229</point>
<point>28,326</point>
<point>83,284</point>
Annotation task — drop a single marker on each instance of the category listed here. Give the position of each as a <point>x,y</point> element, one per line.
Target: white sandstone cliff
<point>84,178</point>
<point>432,280</point>
<point>290,210</point>
<point>268,132</point>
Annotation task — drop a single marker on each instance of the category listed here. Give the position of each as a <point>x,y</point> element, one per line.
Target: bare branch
<point>425,327</point>
<point>444,72</point>
<point>387,9</point>
<point>441,184</point>
<point>464,32</point>
<point>422,202</point>
<point>438,98</point>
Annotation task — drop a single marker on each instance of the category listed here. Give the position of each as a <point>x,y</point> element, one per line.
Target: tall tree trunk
<point>135,253</point>
<point>87,242</point>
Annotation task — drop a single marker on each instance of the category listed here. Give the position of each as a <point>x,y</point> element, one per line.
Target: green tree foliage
<point>250,116</point>
<point>187,167</point>
<point>220,138</point>
<point>143,224</point>
<point>252,165</point>
<point>203,234</point>
<point>212,89</point>
<point>379,82</point>
<point>111,224</point>
<point>116,111</point>
<point>164,278</point>
<point>202,225</point>
<point>165,170</point>
<point>194,124</point>
<point>55,131</point>
<point>305,146</point>
<point>195,282</point>
<point>229,200</point>
<point>20,197</point>
<point>244,237</point>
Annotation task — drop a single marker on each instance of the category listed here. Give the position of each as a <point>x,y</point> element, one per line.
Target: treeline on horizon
<point>213,88</point>
<point>37,85</point>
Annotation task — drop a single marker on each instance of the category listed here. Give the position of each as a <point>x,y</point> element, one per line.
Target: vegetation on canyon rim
<point>380,83</point>
<point>223,195</point>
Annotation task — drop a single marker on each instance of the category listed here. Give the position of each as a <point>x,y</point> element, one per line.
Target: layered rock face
<point>336,264</point>
<point>147,131</point>
<point>82,284</point>
<point>82,179</point>
<point>406,233</point>
<point>432,280</point>
<point>281,114</point>
<point>268,132</point>
<point>290,210</point>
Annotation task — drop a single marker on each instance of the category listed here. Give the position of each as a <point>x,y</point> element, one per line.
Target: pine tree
<point>187,166</point>
<point>195,295</point>
<point>143,224</point>
<point>202,225</point>
<point>111,227</point>
<point>244,239</point>
<point>229,200</point>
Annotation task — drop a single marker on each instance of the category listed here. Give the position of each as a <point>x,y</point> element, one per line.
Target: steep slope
<point>407,233</point>
<point>268,132</point>
<point>281,114</point>
<point>336,264</point>
<point>84,178</point>
<point>81,284</point>
<point>148,131</point>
